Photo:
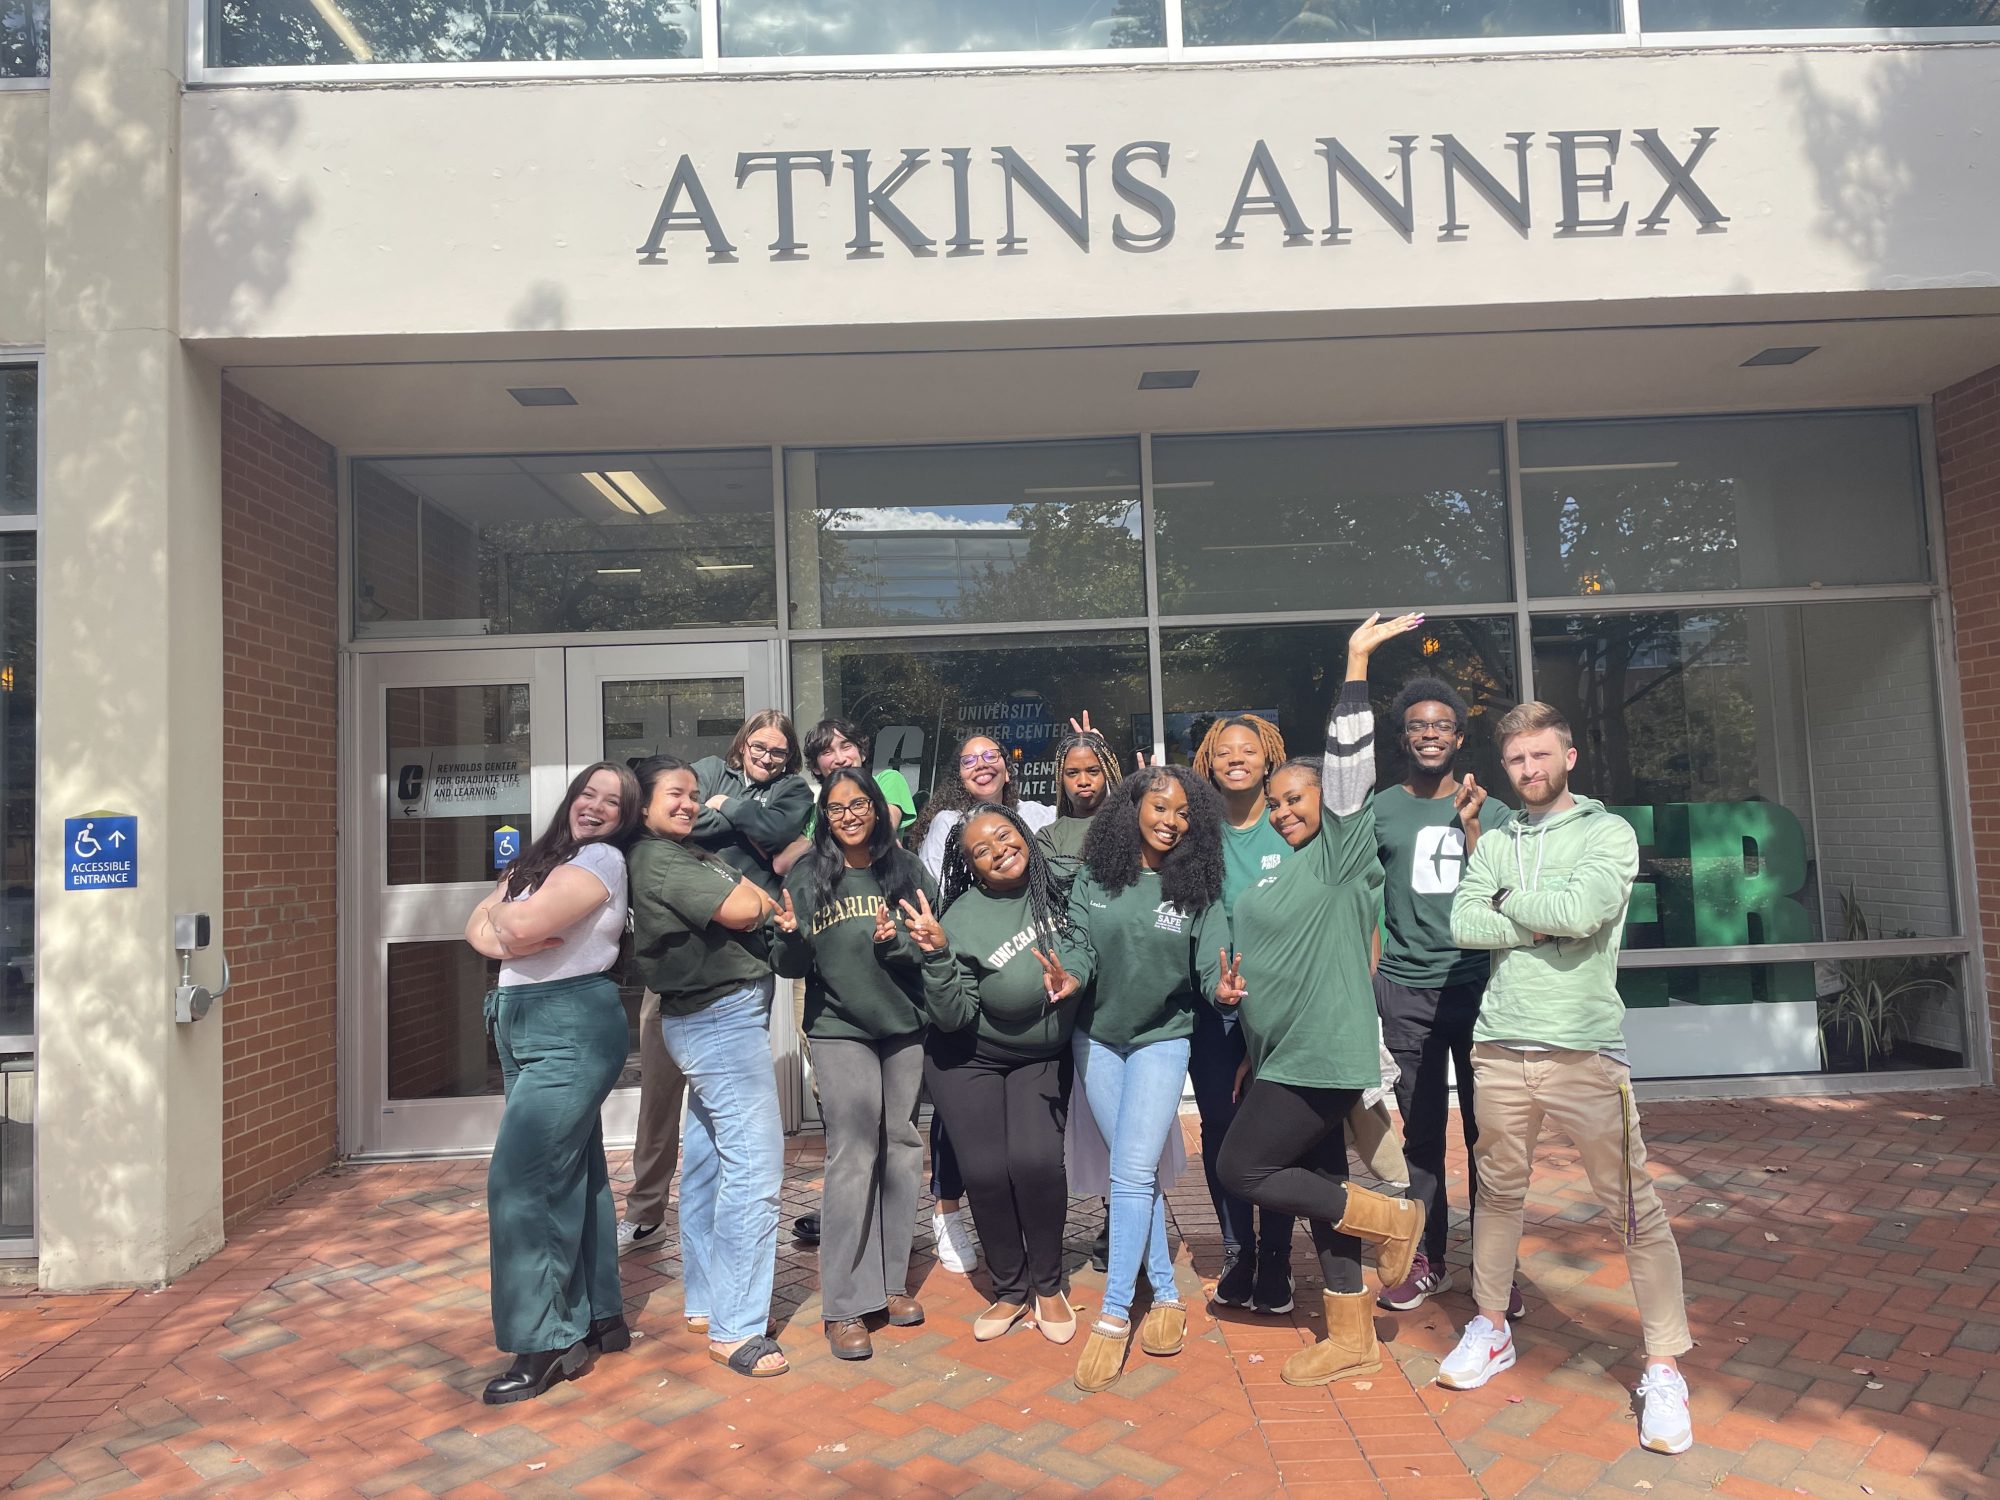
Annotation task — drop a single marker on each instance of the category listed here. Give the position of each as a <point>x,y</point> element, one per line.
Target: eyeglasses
<point>981,758</point>
<point>1418,729</point>
<point>842,811</point>
<point>771,755</point>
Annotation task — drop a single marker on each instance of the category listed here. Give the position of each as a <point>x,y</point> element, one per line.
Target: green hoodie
<point>1568,879</point>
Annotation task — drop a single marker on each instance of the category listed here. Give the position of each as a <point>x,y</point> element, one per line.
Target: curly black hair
<point>1191,874</point>
<point>1048,899</point>
<point>893,867</point>
<point>950,795</point>
<point>1429,690</point>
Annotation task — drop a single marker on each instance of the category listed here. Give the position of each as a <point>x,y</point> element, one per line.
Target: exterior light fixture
<point>1790,356</point>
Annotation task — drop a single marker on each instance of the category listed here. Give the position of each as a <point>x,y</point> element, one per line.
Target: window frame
<point>15,1044</point>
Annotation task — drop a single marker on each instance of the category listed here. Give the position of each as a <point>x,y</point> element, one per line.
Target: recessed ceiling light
<point>1789,356</point>
<point>541,395</point>
<point>1167,380</point>
<point>612,572</point>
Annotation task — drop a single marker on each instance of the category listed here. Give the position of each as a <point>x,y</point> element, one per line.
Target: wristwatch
<point>1500,895</point>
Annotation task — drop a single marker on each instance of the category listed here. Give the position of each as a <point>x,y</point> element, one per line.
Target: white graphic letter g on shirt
<point>1438,861</point>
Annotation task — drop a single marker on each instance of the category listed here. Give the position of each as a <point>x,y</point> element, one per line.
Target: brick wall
<point>281,812</point>
<point>1968,440</point>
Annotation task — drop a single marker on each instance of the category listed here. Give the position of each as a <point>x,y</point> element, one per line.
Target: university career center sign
<point>1568,183</point>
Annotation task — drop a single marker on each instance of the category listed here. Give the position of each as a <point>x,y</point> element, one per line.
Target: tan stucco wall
<point>1839,170</point>
<point>24,176</point>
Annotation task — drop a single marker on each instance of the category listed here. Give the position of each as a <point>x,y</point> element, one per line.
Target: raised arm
<point>1350,737</point>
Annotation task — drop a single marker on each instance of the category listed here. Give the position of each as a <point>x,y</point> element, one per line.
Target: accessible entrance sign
<point>100,852</point>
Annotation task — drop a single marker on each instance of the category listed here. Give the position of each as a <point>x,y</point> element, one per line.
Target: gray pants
<point>656,1145</point>
<point>874,1170</point>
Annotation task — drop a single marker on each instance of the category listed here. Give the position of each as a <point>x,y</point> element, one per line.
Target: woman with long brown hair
<point>555,922</point>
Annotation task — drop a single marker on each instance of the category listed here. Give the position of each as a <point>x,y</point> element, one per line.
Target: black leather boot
<point>609,1335</point>
<point>531,1374</point>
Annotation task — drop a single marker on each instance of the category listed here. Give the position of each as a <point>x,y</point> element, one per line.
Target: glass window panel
<point>1290,673</point>
<point>685,716</point>
<point>437,1042</point>
<point>17,440</point>
<point>563,544</point>
<point>291,33</point>
<point>1722,503</point>
<point>456,771</point>
<point>17,784</point>
<point>1215,23</point>
<point>918,700</point>
<point>976,533</point>
<point>17,1147</point>
<point>1784,15</point>
<point>24,39</point>
<point>1776,764</point>
<point>1312,520</point>
<point>850,28</point>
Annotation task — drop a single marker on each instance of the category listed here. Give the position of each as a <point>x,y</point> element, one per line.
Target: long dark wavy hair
<point>1191,874</point>
<point>558,845</point>
<point>650,771</point>
<point>894,868</point>
<point>1048,897</point>
<point>951,795</point>
<point>1097,745</point>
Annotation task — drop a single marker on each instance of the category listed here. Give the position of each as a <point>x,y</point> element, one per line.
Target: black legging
<point>1006,1118</point>
<point>1287,1151</point>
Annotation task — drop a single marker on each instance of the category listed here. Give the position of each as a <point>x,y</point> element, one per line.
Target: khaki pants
<point>1372,1135</point>
<point>656,1144</point>
<point>1587,1097</point>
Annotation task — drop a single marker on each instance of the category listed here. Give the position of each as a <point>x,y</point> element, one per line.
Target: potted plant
<point>1861,1022</point>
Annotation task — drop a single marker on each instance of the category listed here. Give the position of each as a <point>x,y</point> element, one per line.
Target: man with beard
<point>1546,891</point>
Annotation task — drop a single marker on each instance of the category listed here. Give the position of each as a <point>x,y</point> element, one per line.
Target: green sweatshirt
<point>1148,960</point>
<point>679,951</point>
<point>987,977</point>
<point>856,989</point>
<point>1569,879</point>
<point>756,820</point>
<point>1062,843</point>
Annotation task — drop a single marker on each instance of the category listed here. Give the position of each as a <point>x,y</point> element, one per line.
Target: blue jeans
<point>732,1161</point>
<point>1213,1053</point>
<point>1134,1094</point>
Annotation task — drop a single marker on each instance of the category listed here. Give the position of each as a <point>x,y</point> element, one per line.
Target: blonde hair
<point>1532,718</point>
<point>1269,741</point>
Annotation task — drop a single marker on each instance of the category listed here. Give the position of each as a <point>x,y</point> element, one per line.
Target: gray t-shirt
<point>590,945</point>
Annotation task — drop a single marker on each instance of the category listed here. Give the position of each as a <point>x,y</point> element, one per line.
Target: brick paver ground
<point>1843,1273</point>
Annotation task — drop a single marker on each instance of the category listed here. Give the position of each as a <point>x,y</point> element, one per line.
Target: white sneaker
<point>1664,1424</point>
<point>637,1236</point>
<point>1483,1351</point>
<point>957,1242</point>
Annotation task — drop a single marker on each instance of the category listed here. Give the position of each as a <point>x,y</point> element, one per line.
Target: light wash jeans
<point>1134,1094</point>
<point>732,1161</point>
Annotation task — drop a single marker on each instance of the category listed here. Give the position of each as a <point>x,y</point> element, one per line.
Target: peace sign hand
<point>1374,630</point>
<point>1081,725</point>
<point>923,924</point>
<point>885,924</point>
<point>782,916</point>
<point>1057,981</point>
<point>1230,988</point>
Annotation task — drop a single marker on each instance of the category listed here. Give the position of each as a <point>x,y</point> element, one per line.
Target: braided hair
<point>1269,741</point>
<point>1048,898</point>
<point>1191,873</point>
<point>1097,745</point>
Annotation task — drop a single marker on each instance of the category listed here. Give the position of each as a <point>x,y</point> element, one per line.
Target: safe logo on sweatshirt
<point>1168,917</point>
<point>1438,860</point>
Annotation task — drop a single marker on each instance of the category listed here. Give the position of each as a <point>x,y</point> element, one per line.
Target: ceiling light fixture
<point>637,491</point>
<point>1168,380</point>
<point>612,572</point>
<point>611,492</point>
<point>541,395</point>
<point>1663,463</point>
<point>1779,356</point>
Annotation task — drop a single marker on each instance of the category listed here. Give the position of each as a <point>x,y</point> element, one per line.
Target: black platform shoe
<point>531,1374</point>
<point>611,1335</point>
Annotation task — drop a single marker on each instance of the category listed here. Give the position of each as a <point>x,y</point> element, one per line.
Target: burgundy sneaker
<point>1423,1281</point>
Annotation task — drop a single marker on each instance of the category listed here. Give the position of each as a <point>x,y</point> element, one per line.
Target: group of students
<point>1273,930</point>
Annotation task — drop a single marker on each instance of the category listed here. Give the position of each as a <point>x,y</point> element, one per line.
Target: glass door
<point>630,702</point>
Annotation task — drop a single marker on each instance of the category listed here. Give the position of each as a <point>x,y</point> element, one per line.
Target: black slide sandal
<point>746,1354</point>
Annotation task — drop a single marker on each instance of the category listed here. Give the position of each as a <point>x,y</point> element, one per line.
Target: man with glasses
<point>1427,989</point>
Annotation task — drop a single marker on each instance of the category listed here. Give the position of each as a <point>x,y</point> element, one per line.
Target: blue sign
<point>506,846</point>
<point>100,852</point>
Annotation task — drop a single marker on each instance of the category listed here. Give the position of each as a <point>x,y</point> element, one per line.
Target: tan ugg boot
<point>1392,1225</point>
<point>1103,1358</point>
<point>1349,1347</point>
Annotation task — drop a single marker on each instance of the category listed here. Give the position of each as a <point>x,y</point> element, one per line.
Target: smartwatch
<point>1501,895</point>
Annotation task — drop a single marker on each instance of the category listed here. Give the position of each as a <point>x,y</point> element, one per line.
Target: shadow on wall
<point>233,216</point>
<point>1882,157</point>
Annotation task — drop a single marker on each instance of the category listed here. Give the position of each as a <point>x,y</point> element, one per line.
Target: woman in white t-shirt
<point>555,922</point>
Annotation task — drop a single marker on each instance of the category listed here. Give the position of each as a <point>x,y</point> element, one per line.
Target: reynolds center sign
<point>1568,183</point>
